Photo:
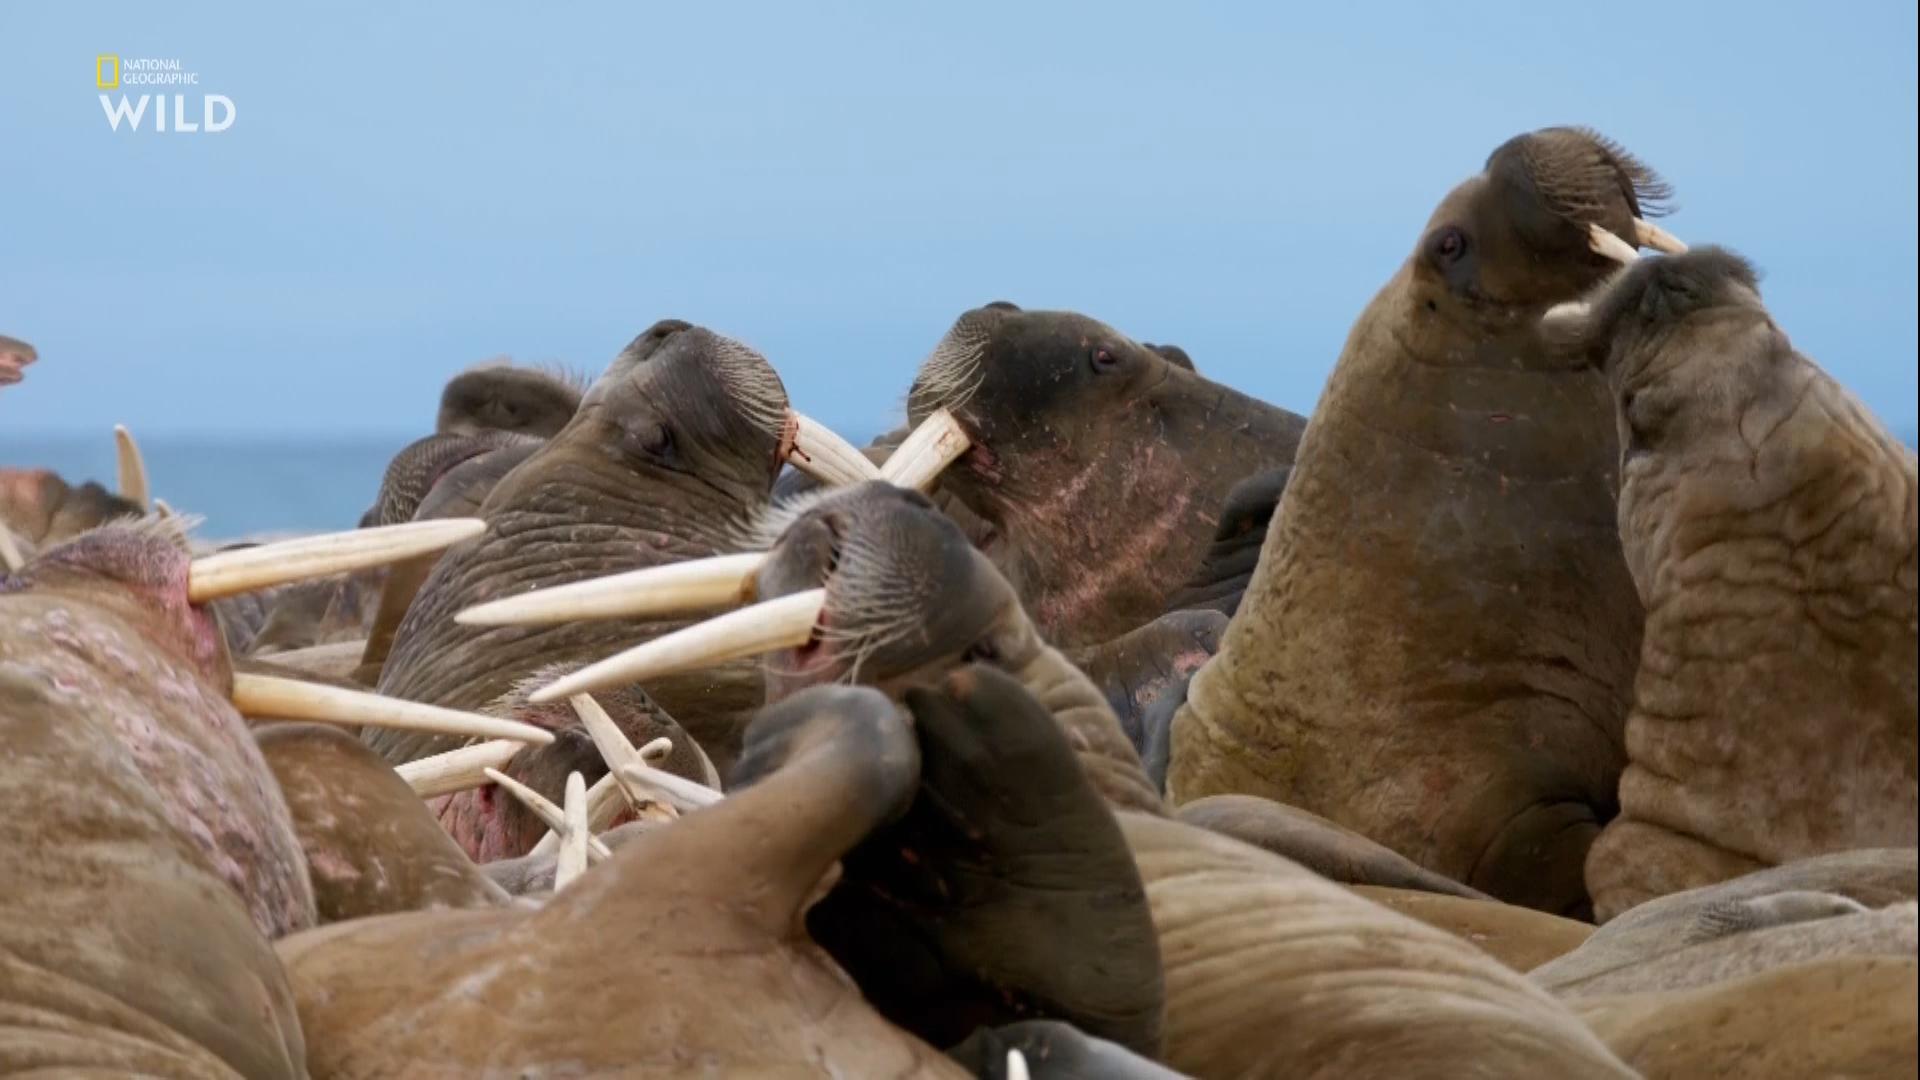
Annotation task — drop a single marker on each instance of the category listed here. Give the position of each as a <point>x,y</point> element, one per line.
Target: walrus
<point>150,856</point>
<point>668,457</point>
<point>634,967</point>
<point>1769,521</point>
<point>42,510</point>
<point>420,465</point>
<point>1099,464</point>
<point>1437,645</point>
<point>497,395</point>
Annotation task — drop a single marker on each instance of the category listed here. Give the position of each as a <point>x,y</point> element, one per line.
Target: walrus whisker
<point>571,861</point>
<point>682,794</point>
<point>1649,235</point>
<point>1605,243</point>
<point>227,573</point>
<point>271,697</point>
<point>544,809</point>
<point>132,469</point>
<point>817,450</point>
<point>676,588</point>
<point>937,443</point>
<point>782,623</point>
<point>457,770</point>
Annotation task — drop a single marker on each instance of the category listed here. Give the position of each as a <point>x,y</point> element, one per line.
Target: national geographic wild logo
<point>151,87</point>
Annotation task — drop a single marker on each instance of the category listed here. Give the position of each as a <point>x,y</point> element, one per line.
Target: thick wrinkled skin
<point>371,846</point>
<point>1099,464</point>
<point>1332,851</point>
<point>149,856</point>
<point>421,465</point>
<point>1438,642</point>
<point>682,954</point>
<point>1005,892</point>
<point>670,453</point>
<point>1521,938</point>
<point>1227,567</point>
<point>1274,971</point>
<point>1770,524</point>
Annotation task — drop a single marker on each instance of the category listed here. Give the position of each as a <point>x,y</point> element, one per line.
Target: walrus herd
<point>1544,704</point>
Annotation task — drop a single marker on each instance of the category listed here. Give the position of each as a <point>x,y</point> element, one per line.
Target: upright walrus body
<point>1769,521</point>
<point>1437,645</point>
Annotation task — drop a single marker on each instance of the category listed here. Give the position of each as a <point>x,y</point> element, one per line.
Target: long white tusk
<point>10,557</point>
<point>1605,243</point>
<point>683,794</point>
<point>458,770</point>
<point>133,469</point>
<point>937,443</point>
<point>228,572</point>
<point>656,751</point>
<point>1653,236</point>
<point>271,697</point>
<point>673,589</point>
<point>1017,1066</point>
<point>825,456</point>
<point>544,809</point>
<point>572,859</point>
<point>782,623</point>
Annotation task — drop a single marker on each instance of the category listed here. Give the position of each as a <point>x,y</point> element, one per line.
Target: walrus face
<point>1075,430</point>
<point>1519,235</point>
<point>38,505</point>
<point>496,396</point>
<point>906,595</point>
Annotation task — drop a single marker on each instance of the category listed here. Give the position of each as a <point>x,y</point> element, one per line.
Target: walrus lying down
<point>1770,524</point>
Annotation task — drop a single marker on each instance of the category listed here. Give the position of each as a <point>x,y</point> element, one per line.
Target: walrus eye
<point>1104,360</point>
<point>1450,245</point>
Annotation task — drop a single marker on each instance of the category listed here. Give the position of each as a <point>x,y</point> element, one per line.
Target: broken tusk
<point>246,569</point>
<point>782,623</point>
<point>937,443</point>
<point>1649,235</point>
<point>161,508</point>
<point>825,456</point>
<point>656,751</point>
<point>683,794</point>
<point>544,809</point>
<point>572,859</point>
<point>272,698</point>
<point>1605,243</point>
<point>673,589</point>
<point>458,770</point>
<point>132,480</point>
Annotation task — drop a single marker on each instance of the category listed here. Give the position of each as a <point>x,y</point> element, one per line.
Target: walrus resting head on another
<point>670,455</point>
<point>1769,522</point>
<point>1442,585</point>
<point>1100,464</point>
<point>150,855</point>
<point>498,396</point>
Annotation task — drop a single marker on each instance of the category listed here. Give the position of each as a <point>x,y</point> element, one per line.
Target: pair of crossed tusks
<point>1646,234</point>
<point>937,443</point>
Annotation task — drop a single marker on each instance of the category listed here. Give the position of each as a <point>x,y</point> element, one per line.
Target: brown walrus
<point>1770,524</point>
<point>149,856</point>
<point>1438,642</point>
<point>497,395</point>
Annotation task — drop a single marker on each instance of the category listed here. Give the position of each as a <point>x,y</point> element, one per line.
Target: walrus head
<point>1074,428</point>
<point>497,396</point>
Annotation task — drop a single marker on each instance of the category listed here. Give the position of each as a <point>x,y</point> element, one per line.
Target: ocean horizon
<point>246,485</point>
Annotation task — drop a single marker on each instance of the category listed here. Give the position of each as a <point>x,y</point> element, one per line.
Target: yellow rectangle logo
<point>106,71</point>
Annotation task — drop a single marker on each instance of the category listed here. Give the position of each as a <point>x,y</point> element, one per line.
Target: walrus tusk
<point>226,573</point>
<point>572,859</point>
<point>657,750</point>
<point>132,480</point>
<point>458,770</point>
<point>673,589</point>
<point>782,623</point>
<point>544,809</point>
<point>1017,1066</point>
<point>1605,243</point>
<point>937,443</point>
<point>271,697</point>
<point>607,737</point>
<point>10,557</point>
<point>1649,235</point>
<point>825,456</point>
<point>683,794</point>
<point>161,508</point>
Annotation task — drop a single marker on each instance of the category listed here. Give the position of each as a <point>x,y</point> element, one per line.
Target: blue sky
<point>407,189</point>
